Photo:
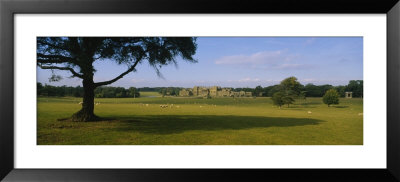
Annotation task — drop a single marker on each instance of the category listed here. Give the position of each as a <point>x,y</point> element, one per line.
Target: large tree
<point>291,86</point>
<point>77,55</point>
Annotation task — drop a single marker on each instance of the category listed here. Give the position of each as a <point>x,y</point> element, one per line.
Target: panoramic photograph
<point>199,90</point>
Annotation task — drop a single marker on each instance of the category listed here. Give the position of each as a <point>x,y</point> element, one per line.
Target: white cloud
<point>308,80</point>
<point>293,66</point>
<point>263,57</point>
<point>249,80</point>
<point>279,59</point>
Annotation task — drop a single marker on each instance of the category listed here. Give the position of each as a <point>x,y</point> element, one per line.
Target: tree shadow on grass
<point>99,119</point>
<point>305,105</point>
<point>340,107</point>
<point>170,124</point>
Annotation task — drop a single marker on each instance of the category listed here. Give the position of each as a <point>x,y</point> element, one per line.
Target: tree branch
<point>118,77</point>
<point>49,44</point>
<point>74,73</point>
<point>42,58</point>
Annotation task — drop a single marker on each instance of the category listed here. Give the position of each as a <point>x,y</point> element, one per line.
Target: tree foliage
<point>356,86</point>
<point>311,90</point>
<point>169,91</point>
<point>77,55</point>
<point>100,92</point>
<point>116,92</point>
<point>278,99</point>
<point>288,98</point>
<point>258,91</point>
<point>286,91</point>
<point>331,97</point>
<point>291,86</point>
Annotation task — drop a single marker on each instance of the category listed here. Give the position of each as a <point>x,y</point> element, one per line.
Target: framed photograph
<point>131,90</point>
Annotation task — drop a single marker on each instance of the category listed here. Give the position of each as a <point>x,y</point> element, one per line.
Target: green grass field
<point>196,121</point>
<point>150,94</point>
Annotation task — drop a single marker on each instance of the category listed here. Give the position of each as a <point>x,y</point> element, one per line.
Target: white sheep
<point>309,112</point>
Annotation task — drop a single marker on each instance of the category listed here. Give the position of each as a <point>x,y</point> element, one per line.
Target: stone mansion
<point>214,91</point>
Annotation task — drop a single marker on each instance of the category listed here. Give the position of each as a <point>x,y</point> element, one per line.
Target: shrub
<point>331,97</point>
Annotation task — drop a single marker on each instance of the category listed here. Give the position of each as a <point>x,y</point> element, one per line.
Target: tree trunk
<point>86,113</point>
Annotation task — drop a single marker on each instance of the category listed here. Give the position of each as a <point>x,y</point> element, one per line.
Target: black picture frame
<point>8,8</point>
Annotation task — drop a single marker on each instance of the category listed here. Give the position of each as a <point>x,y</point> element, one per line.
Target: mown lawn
<point>196,121</point>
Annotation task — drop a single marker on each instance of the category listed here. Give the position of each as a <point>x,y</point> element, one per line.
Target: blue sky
<point>243,62</point>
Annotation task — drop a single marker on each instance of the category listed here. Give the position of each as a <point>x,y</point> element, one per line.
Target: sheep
<point>147,105</point>
<point>309,112</point>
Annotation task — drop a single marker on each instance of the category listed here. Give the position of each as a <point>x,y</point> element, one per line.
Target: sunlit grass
<point>196,121</point>
<point>150,94</point>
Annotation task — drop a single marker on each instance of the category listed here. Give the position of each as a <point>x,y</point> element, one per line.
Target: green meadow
<point>150,94</point>
<point>198,121</point>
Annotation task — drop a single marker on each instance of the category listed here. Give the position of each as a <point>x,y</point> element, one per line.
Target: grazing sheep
<point>309,112</point>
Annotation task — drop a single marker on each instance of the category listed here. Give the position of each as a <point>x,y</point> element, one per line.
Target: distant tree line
<point>100,92</point>
<point>116,92</point>
<point>290,88</point>
<point>60,91</point>
<point>310,90</point>
<point>150,89</point>
<point>169,91</point>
